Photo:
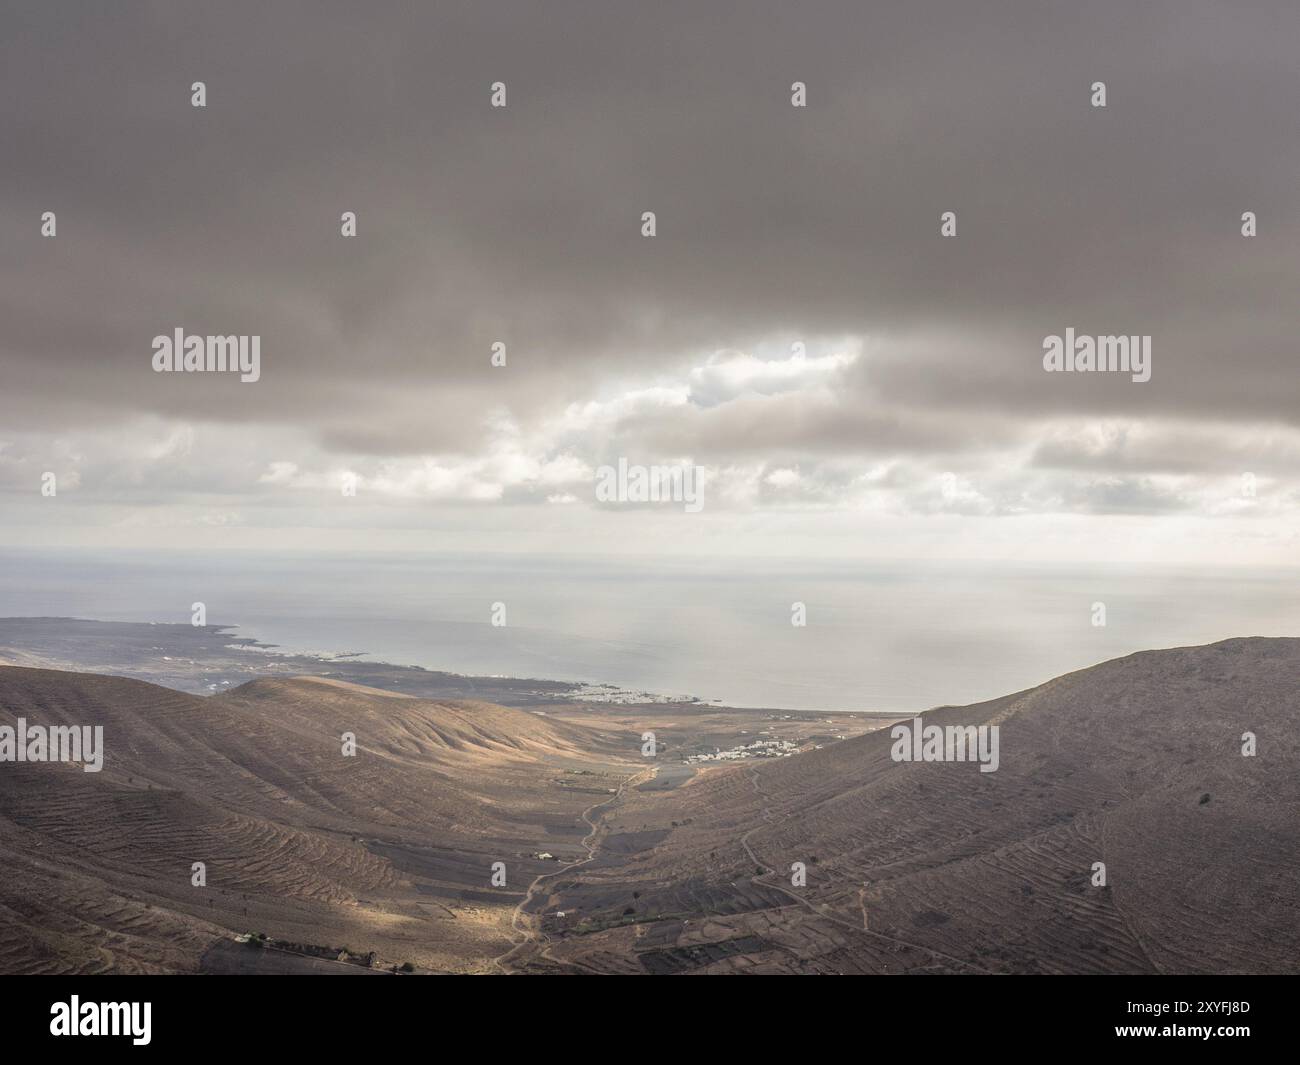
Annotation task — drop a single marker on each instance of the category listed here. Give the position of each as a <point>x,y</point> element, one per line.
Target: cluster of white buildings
<point>757,749</point>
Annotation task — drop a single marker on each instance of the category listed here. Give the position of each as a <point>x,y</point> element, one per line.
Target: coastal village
<point>757,749</point>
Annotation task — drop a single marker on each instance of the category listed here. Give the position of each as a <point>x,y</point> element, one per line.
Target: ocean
<point>879,635</point>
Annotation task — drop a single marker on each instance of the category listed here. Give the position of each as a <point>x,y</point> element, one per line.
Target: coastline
<point>208,659</point>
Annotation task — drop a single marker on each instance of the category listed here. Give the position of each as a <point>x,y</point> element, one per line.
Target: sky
<point>849,380</point>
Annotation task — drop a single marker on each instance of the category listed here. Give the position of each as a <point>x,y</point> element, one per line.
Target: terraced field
<point>389,851</point>
<point>1136,763</point>
<point>371,862</point>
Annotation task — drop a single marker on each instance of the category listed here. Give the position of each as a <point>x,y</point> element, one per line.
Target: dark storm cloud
<point>522,224</point>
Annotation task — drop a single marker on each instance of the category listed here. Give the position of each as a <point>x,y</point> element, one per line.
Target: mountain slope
<point>1135,763</point>
<point>391,849</point>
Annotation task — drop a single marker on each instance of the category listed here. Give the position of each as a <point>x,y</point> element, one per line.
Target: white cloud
<point>726,375</point>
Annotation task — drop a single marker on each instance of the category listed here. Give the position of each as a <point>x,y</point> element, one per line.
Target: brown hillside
<point>929,866</point>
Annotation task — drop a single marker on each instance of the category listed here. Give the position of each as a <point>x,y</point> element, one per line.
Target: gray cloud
<point>775,223</point>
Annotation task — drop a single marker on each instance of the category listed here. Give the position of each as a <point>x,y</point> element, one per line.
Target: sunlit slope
<point>297,839</point>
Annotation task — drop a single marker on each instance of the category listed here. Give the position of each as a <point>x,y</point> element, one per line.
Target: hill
<point>935,866</point>
<point>390,850</point>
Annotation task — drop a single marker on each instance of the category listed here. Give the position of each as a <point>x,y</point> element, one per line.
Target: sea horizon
<point>880,636</point>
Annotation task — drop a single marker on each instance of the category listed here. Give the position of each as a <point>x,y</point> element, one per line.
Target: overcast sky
<point>918,417</point>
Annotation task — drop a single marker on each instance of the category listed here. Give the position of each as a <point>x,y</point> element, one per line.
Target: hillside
<point>389,850</point>
<point>912,867</point>
<point>1136,763</point>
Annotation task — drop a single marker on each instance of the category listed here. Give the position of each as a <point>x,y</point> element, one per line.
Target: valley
<point>382,861</point>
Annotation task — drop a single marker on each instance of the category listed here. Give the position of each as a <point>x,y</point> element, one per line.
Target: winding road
<point>533,934</point>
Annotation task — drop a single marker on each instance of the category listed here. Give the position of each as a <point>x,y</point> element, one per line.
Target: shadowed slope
<point>1135,763</point>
